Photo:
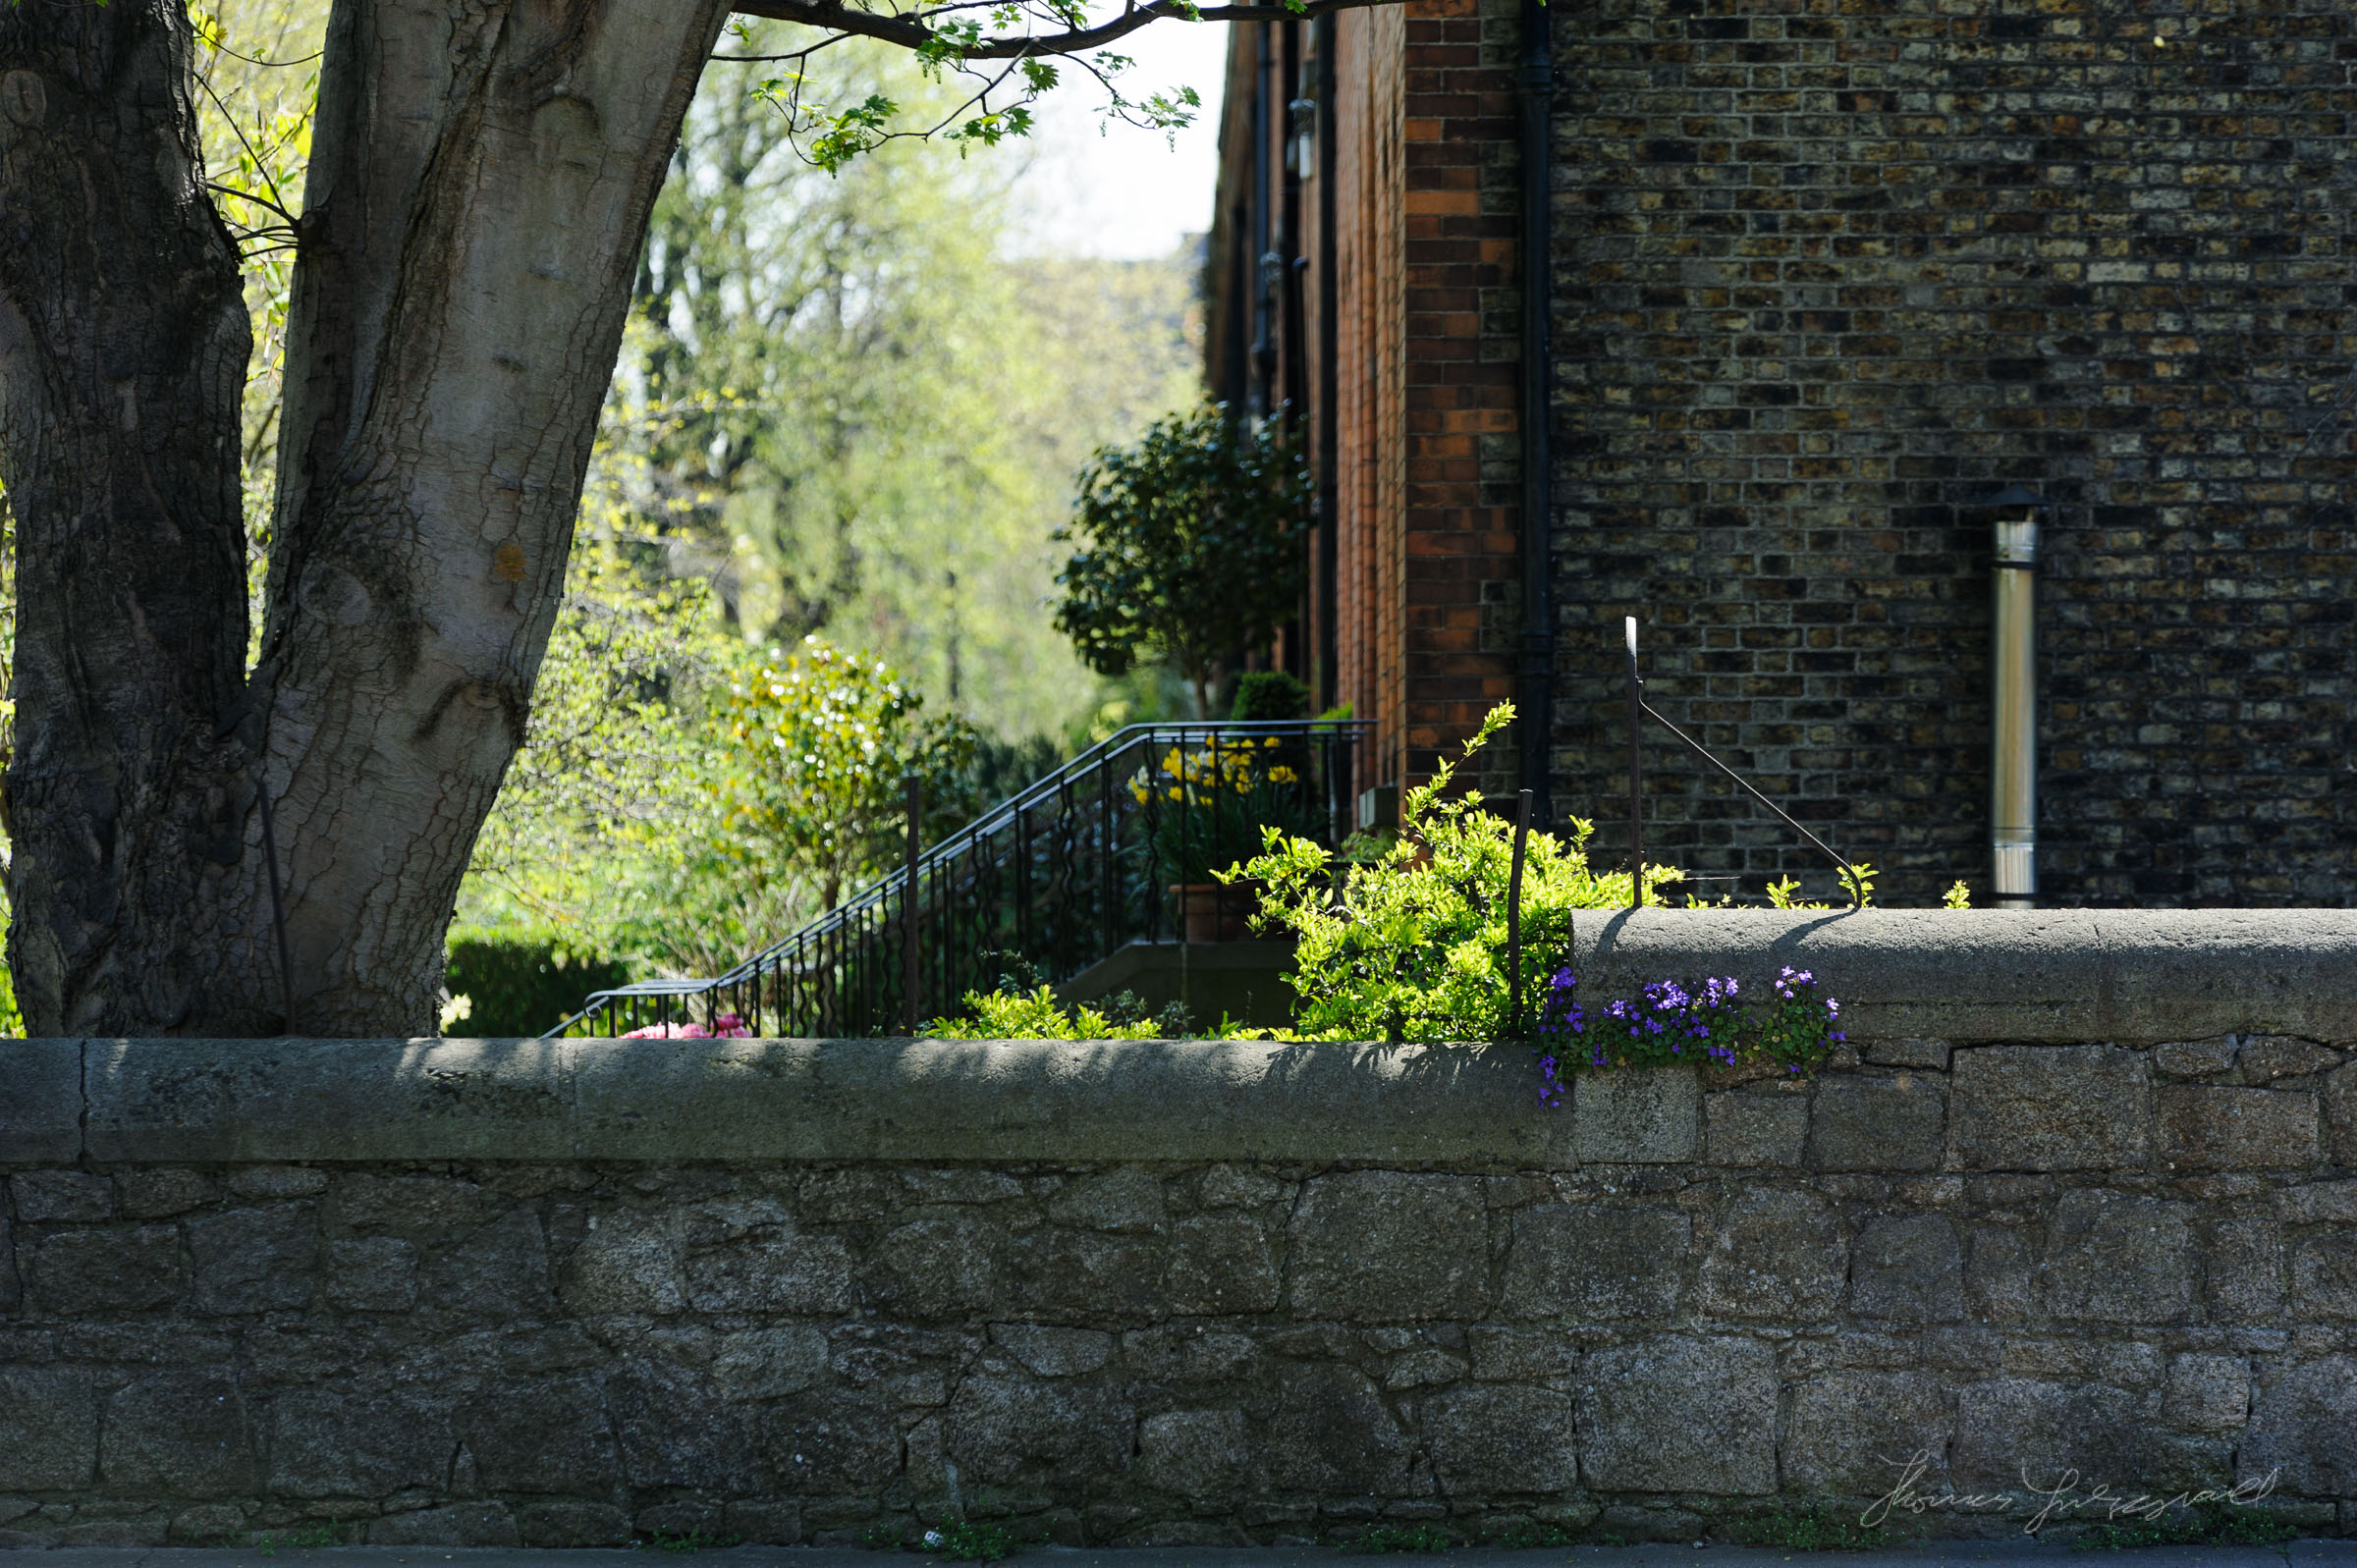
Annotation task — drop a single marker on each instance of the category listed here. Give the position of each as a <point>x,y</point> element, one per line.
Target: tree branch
<point>911,33</point>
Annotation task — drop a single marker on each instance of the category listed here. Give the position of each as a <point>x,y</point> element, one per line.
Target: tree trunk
<point>123,345</point>
<point>479,187</point>
<point>480,180</point>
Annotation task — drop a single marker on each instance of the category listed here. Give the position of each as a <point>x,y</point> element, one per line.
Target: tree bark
<point>480,180</point>
<point>123,346</point>
<point>479,187</point>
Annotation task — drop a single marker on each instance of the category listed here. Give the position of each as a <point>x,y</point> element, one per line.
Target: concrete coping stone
<point>2055,977</point>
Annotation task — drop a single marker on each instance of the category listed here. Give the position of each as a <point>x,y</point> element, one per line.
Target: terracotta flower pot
<point>1214,911</point>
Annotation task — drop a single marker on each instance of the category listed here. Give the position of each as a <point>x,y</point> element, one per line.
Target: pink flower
<point>728,1026</point>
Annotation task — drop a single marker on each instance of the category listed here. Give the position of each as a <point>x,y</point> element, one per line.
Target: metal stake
<point>1636,771</point>
<point>1513,918</point>
<point>910,991</point>
<point>278,910</point>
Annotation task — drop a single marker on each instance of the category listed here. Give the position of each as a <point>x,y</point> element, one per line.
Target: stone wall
<point>2083,1194</point>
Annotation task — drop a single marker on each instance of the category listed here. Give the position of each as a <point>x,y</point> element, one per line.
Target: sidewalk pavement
<point>2006,1553</point>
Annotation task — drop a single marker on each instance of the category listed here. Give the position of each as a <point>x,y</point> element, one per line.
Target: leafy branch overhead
<point>1006,50</point>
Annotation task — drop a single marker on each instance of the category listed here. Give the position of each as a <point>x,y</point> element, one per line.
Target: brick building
<point>1818,281</point>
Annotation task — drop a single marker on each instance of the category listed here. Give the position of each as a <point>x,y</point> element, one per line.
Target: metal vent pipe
<point>2013,701</point>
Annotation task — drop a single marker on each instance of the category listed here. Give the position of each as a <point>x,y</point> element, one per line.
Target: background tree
<point>479,182</point>
<point>841,408</point>
<point>1190,547</point>
<point>858,416</point>
<point>820,743</point>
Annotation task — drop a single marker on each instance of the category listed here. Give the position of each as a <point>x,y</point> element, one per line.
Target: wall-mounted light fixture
<point>2013,698</point>
<point>1302,154</point>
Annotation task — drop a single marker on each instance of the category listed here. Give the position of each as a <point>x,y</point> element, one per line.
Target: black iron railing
<point>1115,847</point>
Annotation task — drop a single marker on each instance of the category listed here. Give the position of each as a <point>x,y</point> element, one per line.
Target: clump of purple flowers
<point>1671,1023</point>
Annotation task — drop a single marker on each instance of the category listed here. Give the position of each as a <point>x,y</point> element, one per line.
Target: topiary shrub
<point>519,982</point>
<point>1269,695</point>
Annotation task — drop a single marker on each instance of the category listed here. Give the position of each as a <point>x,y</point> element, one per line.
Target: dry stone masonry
<point>2084,1195</point>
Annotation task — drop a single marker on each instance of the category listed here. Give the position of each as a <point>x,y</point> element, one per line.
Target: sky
<point>1126,194</point>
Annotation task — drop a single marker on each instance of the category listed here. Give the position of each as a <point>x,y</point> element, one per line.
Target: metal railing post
<point>1513,918</point>
<point>911,999</point>
<point>1636,772</point>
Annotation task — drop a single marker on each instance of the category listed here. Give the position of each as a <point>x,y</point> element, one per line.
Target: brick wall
<point>1460,536</point>
<point>1827,278</point>
<point>1428,350</point>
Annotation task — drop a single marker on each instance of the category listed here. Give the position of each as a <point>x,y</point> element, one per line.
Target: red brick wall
<point>1428,540</point>
<point>1460,208</point>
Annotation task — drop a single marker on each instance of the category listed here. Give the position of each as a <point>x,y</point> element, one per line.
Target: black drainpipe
<point>1535,684</point>
<point>1330,380</point>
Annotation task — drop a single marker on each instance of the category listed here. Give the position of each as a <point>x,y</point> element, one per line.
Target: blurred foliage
<point>1189,546</point>
<point>819,746</point>
<point>682,799</point>
<point>519,981</point>
<point>860,419</point>
<point>1267,695</point>
<point>1409,942</point>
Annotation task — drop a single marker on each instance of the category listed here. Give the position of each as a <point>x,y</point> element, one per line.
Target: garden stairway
<point>1112,850</point>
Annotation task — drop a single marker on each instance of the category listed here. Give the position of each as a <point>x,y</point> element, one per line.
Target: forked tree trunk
<point>480,179</point>
<point>123,343</point>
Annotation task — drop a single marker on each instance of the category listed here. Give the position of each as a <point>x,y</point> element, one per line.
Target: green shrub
<point>1267,696</point>
<point>1016,1014</point>
<point>519,982</point>
<point>1409,942</point>
<point>1189,546</point>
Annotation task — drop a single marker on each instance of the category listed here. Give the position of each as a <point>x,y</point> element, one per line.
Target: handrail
<point>1848,872</point>
<point>1640,710</point>
<point>848,931</point>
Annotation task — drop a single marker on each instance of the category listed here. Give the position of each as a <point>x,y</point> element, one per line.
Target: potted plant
<point>1204,809</point>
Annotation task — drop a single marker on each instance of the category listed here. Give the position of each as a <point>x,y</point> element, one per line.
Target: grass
<point>334,1532</point>
<point>1528,1537</point>
<point>968,1542</point>
<point>2211,1524</point>
<point>1400,1537</point>
<point>1814,1527</point>
<point>688,1541</point>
